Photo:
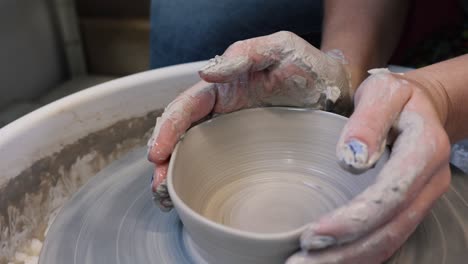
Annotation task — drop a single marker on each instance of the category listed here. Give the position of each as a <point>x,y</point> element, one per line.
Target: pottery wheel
<point>112,219</point>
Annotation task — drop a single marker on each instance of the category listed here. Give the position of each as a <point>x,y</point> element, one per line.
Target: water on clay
<point>241,204</point>
<point>112,219</point>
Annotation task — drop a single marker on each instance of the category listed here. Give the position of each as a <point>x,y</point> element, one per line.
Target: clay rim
<point>180,205</point>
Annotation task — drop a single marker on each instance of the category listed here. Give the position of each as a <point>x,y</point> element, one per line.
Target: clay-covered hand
<point>275,70</point>
<point>378,221</point>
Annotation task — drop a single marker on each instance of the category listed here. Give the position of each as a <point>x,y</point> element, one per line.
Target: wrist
<point>435,91</point>
<point>338,76</point>
<point>446,81</point>
<point>356,72</point>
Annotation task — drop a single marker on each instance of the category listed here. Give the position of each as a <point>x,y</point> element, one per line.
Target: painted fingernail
<point>309,242</point>
<point>354,156</point>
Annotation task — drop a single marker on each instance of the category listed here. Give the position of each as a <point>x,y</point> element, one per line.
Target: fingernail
<point>162,188</point>
<point>309,242</point>
<point>354,156</point>
<point>156,198</point>
<point>161,196</point>
<point>166,205</point>
<point>226,66</point>
<point>163,203</point>
<point>212,62</point>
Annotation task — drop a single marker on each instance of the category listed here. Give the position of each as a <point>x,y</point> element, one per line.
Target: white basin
<point>48,154</point>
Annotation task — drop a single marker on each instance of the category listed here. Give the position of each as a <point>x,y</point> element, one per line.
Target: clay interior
<point>265,170</point>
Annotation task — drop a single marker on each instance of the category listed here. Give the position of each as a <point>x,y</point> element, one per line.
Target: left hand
<point>378,221</point>
<point>280,69</point>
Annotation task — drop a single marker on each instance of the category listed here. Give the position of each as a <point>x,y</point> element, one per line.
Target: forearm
<point>447,84</point>
<point>366,31</point>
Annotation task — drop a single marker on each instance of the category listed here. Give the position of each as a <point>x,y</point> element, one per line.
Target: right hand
<point>280,69</point>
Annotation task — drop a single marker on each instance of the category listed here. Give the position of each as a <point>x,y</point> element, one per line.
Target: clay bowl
<point>246,184</point>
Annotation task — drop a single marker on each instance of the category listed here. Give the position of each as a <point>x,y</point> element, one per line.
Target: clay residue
<point>30,201</point>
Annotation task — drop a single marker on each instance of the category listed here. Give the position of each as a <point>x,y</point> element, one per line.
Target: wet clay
<point>114,213</point>
<point>36,194</point>
<point>267,171</point>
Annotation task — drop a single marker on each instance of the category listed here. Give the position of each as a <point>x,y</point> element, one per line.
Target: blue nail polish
<point>356,146</point>
<point>354,156</point>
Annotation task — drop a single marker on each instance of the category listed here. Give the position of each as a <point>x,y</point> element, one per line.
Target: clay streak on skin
<point>380,201</point>
<point>295,74</point>
<point>177,112</point>
<point>354,155</point>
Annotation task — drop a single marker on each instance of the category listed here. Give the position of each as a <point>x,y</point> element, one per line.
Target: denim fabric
<point>192,30</point>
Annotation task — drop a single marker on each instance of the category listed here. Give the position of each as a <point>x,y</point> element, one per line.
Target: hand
<point>275,70</point>
<point>377,222</point>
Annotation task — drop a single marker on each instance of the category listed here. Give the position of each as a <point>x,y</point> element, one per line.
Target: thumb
<point>254,54</point>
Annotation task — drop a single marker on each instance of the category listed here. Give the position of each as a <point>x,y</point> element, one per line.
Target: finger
<point>160,173</point>
<point>378,101</point>
<point>254,54</point>
<point>419,150</point>
<point>161,196</point>
<point>187,108</point>
<point>384,242</point>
